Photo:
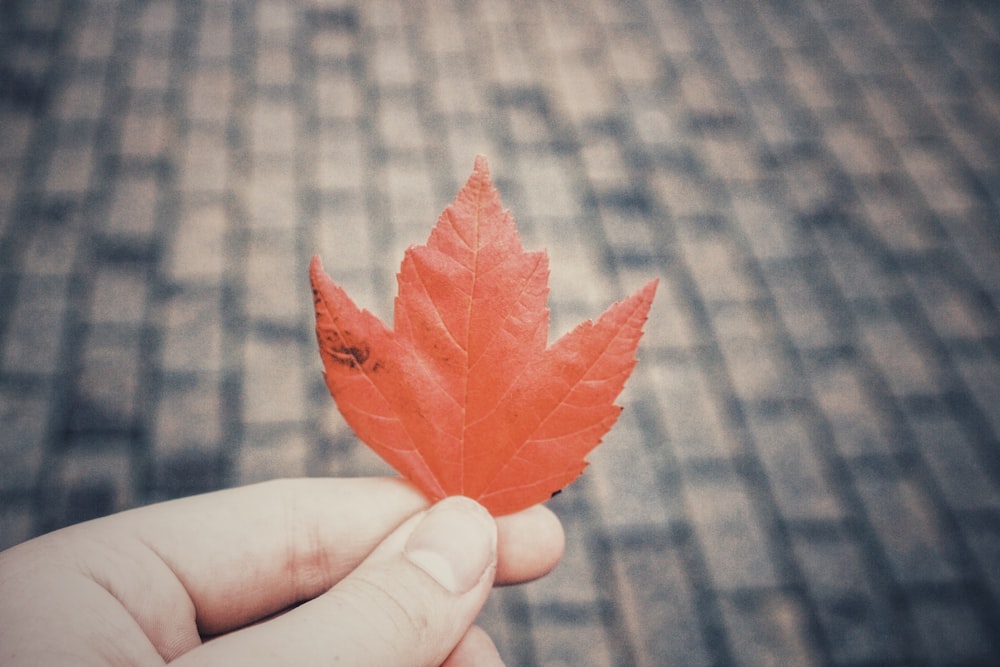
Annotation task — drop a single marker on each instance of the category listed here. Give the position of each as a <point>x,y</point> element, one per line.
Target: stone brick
<point>119,296</point>
<point>731,159</point>
<point>157,20</point>
<point>855,619</point>
<point>857,426</point>
<point>767,227</point>
<point>984,542</point>
<point>567,629</point>
<point>626,481</point>
<point>803,472</point>
<point>902,361</point>
<point>859,150</point>
<point>192,335</point>
<point>907,527</point>
<point>951,632</point>
<point>858,271</point>
<point>340,161</point>
<point>571,276</point>
<point>204,162</point>
<point>658,603</point>
<point>51,249</point>
<point>942,183</point>
<point>954,312</point>
<point>95,38</point>
<point>400,125</point>
<point>759,372</point>
<point>273,382</point>
<point>35,329</point>
<point>572,640</point>
<point>692,416</point>
<point>267,454</point>
<point>72,164</point>
<point>276,280</point>
<point>957,467</point>
<point>980,373</point>
<point>215,38</point>
<point>733,541</point>
<point>92,479</point>
<point>809,323</point>
<point>718,269</point>
<point>189,415</point>
<point>109,388</point>
<point>82,98</point>
<point>16,524</point>
<point>547,190</point>
<point>211,92</point>
<point>337,95</point>
<point>273,127</point>
<point>392,61</point>
<point>151,74</point>
<point>197,253</point>
<point>276,21</point>
<point>133,211</point>
<point>670,324</point>
<point>795,473</point>
<point>769,628</point>
<point>413,209</point>
<point>25,419</point>
<point>271,198</point>
<point>681,194</point>
<point>146,136</point>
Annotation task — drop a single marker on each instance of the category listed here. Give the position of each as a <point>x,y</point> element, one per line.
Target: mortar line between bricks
<point>434,154</point>
<point>979,84</point>
<point>753,475</point>
<point>954,154</point>
<point>926,332</point>
<point>613,618</point>
<point>934,345</point>
<point>80,287</point>
<point>376,207</point>
<point>309,219</point>
<point>891,407</point>
<point>36,159</point>
<point>748,465</point>
<point>236,318</point>
<point>140,440</point>
<point>706,597</point>
<point>845,486</point>
<point>169,209</point>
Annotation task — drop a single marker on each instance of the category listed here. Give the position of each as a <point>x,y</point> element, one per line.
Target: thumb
<point>409,603</point>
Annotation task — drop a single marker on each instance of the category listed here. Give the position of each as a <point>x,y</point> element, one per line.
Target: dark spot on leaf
<point>555,493</point>
<point>351,356</point>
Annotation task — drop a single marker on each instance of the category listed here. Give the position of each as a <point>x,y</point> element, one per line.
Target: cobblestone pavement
<point>808,466</point>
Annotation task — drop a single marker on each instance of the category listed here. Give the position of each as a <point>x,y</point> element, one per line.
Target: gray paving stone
<point>769,628</point>
<point>855,619</point>
<point>910,533</point>
<point>785,445</point>
<point>806,468</point>
<point>656,595</point>
<point>35,327</point>
<point>735,545</point>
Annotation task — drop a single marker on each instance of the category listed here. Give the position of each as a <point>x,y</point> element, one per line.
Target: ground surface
<point>808,466</point>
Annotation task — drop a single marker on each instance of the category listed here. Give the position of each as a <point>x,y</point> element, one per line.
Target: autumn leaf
<point>462,396</point>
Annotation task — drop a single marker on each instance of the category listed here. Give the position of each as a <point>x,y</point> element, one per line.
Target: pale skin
<point>297,572</point>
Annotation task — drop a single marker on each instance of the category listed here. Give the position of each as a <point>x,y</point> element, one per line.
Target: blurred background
<point>808,464</point>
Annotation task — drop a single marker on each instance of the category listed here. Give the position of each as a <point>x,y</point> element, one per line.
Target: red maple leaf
<point>462,396</point>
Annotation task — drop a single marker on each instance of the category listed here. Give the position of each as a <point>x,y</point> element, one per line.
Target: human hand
<point>304,572</point>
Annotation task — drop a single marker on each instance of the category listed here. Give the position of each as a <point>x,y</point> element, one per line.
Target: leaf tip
<point>481,165</point>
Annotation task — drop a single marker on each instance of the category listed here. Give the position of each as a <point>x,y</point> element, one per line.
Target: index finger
<point>245,553</point>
